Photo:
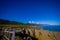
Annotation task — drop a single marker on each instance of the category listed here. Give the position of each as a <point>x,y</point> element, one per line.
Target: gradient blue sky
<point>44,11</point>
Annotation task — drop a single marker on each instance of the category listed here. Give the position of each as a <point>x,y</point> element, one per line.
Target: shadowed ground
<point>25,36</point>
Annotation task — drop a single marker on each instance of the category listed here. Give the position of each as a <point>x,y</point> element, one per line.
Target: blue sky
<point>44,11</point>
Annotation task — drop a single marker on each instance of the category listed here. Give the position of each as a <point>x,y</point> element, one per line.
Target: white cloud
<point>43,22</point>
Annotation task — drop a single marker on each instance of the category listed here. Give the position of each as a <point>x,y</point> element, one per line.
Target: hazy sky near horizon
<point>44,11</point>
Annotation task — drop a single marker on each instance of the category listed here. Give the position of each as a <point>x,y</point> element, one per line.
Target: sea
<point>51,27</point>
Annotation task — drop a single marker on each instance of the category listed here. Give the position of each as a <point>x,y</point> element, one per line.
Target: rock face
<point>57,35</point>
<point>41,34</point>
<point>36,34</point>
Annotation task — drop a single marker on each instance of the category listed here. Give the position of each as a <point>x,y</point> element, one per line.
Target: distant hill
<point>2,21</point>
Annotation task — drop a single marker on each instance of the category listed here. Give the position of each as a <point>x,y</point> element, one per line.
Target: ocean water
<point>51,28</point>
